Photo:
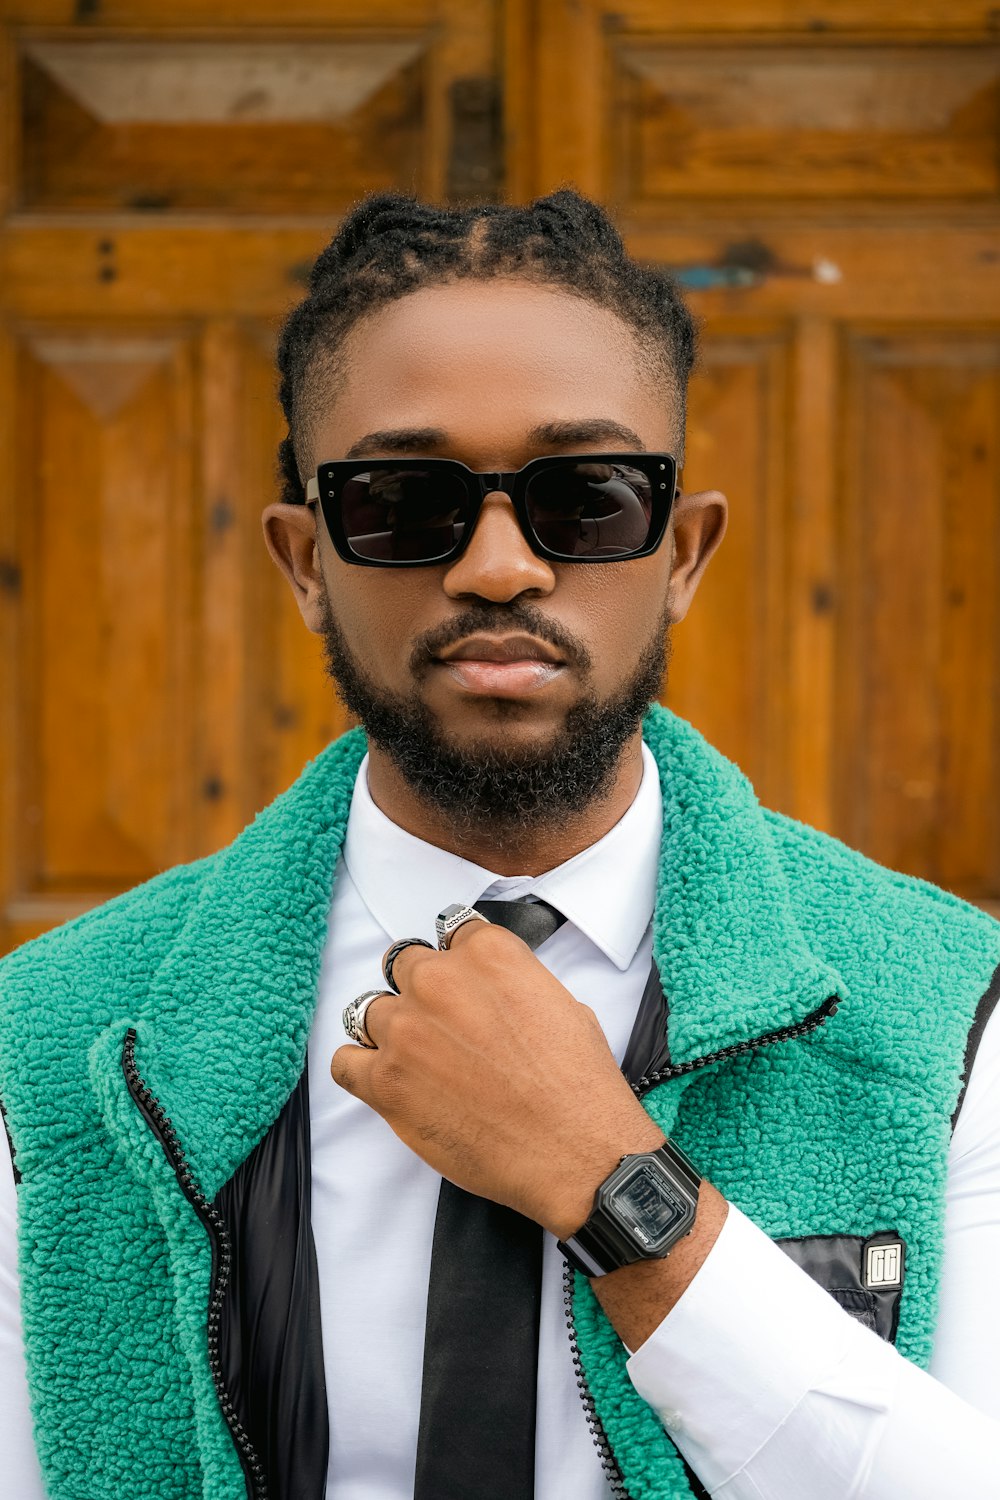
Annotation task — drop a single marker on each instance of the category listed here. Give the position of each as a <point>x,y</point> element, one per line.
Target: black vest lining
<point>270,1336</point>
<point>984,1010</point>
<point>10,1143</point>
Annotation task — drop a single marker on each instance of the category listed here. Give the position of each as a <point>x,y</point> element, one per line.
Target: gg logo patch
<point>884,1264</point>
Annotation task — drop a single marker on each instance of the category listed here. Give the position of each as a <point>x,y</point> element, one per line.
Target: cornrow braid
<point>393,244</point>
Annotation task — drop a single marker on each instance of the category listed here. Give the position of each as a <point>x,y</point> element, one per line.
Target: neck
<point>523,850</point>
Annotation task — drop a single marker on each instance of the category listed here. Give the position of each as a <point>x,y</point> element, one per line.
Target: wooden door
<point>824,179</point>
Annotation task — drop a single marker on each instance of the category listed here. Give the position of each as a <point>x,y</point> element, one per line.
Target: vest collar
<point>732,958</point>
<point>223,1041</point>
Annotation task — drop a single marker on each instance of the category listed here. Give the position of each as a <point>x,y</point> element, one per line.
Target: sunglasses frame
<point>325,489</point>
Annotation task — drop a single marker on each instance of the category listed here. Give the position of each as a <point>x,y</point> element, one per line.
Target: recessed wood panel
<point>727,671</point>
<point>265,703</point>
<point>253,126</point>
<point>803,122</point>
<point>105,484</point>
<point>919,666</point>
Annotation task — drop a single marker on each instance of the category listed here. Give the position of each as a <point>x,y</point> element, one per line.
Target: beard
<point>486,789</point>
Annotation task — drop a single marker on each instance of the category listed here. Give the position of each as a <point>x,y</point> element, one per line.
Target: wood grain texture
<point>802,122</point>
<point>919,660</point>
<point>75,160</point>
<point>729,662</point>
<point>103,447</point>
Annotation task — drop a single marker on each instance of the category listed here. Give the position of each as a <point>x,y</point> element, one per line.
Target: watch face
<point>649,1203</point>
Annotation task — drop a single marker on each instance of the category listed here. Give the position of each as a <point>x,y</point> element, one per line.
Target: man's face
<point>493,374</point>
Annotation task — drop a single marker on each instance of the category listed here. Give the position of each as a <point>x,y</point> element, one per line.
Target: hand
<point>490,1070</point>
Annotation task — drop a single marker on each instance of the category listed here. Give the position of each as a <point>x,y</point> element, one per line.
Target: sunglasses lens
<point>590,510</point>
<point>404,515</point>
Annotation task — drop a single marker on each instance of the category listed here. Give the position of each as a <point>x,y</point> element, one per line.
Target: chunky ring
<point>451,919</point>
<point>393,953</point>
<point>354,1018</point>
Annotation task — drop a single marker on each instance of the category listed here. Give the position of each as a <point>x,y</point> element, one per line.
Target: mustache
<point>497,619</point>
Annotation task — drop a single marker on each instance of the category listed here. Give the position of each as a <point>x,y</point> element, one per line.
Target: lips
<point>508,648</point>
<point>511,666</point>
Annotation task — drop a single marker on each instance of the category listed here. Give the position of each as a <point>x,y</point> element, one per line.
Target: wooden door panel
<point>728,656</point>
<point>801,121</point>
<point>261,126</point>
<point>104,480</point>
<point>262,703</point>
<point>258,120</point>
<point>918,686</point>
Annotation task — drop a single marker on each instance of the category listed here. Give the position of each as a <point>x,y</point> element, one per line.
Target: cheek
<point>377,610</point>
<point>618,607</point>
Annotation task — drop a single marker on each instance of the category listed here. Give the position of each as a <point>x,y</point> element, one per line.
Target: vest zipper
<point>609,1463</point>
<point>159,1123</point>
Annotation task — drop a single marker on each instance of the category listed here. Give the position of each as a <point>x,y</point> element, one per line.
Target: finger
<point>400,955</point>
<point>468,927</point>
<point>350,1067</point>
<point>375,1016</point>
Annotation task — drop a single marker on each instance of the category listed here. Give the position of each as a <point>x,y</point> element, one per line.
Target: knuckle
<point>389,1085</point>
<point>415,959</point>
<point>421,967</point>
<point>498,949</point>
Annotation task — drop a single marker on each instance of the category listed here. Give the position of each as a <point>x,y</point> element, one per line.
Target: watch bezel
<point>606,1242</point>
<point>630,1170</point>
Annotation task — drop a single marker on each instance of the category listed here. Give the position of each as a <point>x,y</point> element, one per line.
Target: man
<point>329,1187</point>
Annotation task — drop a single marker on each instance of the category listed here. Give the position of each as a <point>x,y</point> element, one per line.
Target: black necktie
<point>476,1439</point>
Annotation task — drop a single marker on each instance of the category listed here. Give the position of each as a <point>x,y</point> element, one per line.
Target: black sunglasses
<point>408,512</point>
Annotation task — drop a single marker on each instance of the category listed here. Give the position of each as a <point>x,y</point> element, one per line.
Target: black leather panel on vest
<point>270,1337</point>
<point>865,1276</point>
<point>984,1010</point>
<point>13,1159</point>
<point>647,1051</point>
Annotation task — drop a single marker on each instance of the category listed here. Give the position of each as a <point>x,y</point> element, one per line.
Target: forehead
<point>487,363</point>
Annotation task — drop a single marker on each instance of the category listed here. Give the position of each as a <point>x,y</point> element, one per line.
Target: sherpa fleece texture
<point>215,965</point>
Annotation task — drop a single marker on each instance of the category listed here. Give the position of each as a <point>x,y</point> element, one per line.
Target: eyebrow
<point>398,440</point>
<point>547,435</point>
<point>590,430</point>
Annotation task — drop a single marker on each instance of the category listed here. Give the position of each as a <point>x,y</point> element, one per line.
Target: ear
<point>698,525</point>
<point>290,534</point>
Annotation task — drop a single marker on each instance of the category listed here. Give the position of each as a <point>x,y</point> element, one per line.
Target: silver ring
<point>451,919</point>
<point>393,953</point>
<point>354,1017</point>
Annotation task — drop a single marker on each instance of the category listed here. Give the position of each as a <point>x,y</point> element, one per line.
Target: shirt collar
<point>607,891</point>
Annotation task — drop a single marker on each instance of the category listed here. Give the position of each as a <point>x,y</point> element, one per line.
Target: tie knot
<point>532,920</point>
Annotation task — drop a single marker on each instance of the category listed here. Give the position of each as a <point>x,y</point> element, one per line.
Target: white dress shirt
<point>769,1389</point>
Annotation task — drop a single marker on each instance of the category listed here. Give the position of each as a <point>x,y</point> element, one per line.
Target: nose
<point>498,564</point>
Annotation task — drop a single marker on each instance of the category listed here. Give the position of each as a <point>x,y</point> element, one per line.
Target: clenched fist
<point>490,1070</point>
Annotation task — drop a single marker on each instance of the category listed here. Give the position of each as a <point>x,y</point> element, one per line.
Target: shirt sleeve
<point>768,1387</point>
<point>21,1469</point>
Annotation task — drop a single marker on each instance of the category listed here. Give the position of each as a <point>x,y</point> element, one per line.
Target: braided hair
<point>392,244</point>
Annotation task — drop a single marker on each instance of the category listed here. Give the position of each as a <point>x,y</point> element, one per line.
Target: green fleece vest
<point>839,1129</point>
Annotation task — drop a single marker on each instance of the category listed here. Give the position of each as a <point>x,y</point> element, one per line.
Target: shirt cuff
<point>751,1336</point>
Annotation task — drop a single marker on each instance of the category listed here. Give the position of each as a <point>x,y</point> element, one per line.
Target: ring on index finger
<point>453,917</point>
<point>393,952</point>
<point>354,1018</point>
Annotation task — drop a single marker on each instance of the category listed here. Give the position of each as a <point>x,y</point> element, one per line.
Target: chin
<point>501,721</point>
